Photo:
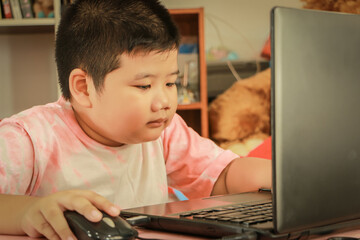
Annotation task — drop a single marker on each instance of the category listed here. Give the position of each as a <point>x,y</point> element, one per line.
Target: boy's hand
<point>45,216</point>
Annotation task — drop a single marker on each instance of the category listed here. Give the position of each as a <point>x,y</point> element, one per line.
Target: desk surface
<point>145,233</point>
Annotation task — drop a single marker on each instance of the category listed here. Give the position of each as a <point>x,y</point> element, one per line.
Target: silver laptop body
<point>315,136</point>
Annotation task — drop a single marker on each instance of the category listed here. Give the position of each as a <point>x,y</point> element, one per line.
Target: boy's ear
<point>79,85</point>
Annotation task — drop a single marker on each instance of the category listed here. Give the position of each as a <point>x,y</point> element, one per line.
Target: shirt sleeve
<point>193,163</point>
<point>16,159</point>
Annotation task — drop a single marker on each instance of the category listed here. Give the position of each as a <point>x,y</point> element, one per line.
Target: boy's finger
<point>88,204</point>
<point>44,227</point>
<point>95,202</point>
<point>102,203</point>
<point>83,206</point>
<point>55,218</point>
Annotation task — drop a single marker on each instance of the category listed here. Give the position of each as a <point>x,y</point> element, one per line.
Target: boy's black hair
<point>92,34</point>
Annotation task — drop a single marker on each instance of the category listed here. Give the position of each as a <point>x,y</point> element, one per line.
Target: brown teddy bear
<point>240,117</point>
<point>346,6</point>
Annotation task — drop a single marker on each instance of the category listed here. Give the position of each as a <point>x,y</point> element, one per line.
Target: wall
<point>244,25</point>
<point>27,71</point>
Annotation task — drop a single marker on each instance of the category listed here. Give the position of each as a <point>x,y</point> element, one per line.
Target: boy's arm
<point>43,216</point>
<point>244,175</point>
<point>11,210</point>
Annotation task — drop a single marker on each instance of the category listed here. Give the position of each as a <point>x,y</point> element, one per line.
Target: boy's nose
<point>161,102</point>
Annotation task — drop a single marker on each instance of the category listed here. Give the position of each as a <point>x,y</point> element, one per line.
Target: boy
<point>113,139</point>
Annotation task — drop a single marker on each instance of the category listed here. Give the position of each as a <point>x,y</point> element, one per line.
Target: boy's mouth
<point>157,123</point>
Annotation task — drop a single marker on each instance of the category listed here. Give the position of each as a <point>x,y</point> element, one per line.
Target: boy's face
<point>137,102</point>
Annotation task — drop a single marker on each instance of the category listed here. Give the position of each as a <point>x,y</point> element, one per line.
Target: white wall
<point>244,25</point>
<point>27,71</point>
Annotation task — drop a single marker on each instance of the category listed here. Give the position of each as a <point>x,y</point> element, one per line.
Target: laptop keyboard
<point>246,214</point>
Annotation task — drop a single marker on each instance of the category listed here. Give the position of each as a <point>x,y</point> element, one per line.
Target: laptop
<point>315,120</point>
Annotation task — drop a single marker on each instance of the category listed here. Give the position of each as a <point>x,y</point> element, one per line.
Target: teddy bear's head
<point>242,112</point>
<point>346,6</point>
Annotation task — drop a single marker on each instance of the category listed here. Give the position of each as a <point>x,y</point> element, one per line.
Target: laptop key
<point>212,217</point>
<point>237,220</point>
<point>224,219</point>
<point>254,218</point>
<point>235,215</point>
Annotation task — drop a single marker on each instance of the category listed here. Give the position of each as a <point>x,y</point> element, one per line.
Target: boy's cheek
<point>170,117</point>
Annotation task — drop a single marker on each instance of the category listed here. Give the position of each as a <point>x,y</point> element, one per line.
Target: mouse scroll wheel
<point>109,222</point>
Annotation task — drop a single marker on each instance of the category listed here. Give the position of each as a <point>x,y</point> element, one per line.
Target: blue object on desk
<point>177,193</point>
<point>180,195</point>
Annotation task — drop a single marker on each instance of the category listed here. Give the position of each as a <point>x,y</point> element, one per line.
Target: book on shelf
<point>7,9</point>
<point>15,8</point>
<point>1,14</point>
<point>26,8</point>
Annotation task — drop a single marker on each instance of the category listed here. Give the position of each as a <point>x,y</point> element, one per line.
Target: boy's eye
<point>170,84</point>
<point>144,87</point>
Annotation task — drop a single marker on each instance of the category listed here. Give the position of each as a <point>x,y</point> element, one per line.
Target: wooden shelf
<point>27,22</point>
<point>191,23</point>
<point>34,25</point>
<point>189,106</point>
<point>27,62</point>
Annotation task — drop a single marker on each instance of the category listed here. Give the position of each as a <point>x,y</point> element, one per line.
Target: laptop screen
<point>316,115</point>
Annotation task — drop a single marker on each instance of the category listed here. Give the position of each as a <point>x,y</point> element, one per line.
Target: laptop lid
<point>315,117</point>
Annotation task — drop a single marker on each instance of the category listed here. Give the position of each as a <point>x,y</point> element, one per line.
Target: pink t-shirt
<point>43,150</point>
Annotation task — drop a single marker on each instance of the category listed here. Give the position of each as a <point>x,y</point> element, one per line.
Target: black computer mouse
<point>108,228</point>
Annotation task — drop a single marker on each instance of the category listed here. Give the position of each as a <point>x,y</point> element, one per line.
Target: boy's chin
<point>150,138</point>
<point>146,137</point>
